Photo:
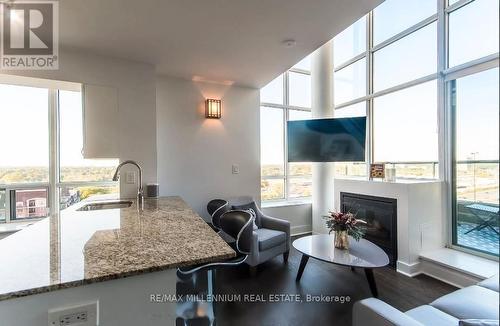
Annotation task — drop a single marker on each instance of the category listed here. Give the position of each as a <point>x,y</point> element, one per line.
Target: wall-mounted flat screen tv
<point>327,140</point>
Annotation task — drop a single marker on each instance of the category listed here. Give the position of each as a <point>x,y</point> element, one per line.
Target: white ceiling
<point>238,41</point>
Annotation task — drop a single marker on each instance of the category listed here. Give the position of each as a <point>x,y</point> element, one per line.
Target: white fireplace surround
<point>420,223</point>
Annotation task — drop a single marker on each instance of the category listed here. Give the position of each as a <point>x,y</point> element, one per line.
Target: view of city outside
<point>416,170</point>
<point>476,108</point>
<point>273,189</point>
<point>270,170</point>
<point>350,170</point>
<point>29,174</point>
<point>26,160</point>
<point>300,183</point>
<point>2,205</point>
<point>300,187</point>
<point>478,182</point>
<point>69,196</point>
<point>32,203</point>
<point>23,174</point>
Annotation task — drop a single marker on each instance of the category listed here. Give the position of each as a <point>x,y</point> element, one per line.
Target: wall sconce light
<point>213,108</point>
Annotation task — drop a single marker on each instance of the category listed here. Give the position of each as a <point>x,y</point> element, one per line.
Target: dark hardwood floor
<point>274,277</point>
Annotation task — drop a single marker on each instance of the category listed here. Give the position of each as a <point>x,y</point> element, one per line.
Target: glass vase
<point>341,240</point>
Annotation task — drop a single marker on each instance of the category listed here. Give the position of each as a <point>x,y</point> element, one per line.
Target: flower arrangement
<point>344,224</point>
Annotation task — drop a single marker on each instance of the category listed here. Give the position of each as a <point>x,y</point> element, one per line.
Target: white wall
<point>195,154</point>
<point>299,216</point>
<point>136,99</point>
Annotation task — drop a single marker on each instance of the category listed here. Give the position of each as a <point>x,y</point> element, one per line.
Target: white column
<point>322,107</point>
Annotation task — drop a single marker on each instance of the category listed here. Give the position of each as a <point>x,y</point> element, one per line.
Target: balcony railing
<point>477,181</point>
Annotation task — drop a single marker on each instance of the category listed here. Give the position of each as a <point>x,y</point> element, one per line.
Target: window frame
<point>441,17</point>
<point>286,107</point>
<point>448,117</point>
<point>54,184</point>
<point>10,209</point>
<point>369,56</point>
<point>451,203</point>
<point>443,75</point>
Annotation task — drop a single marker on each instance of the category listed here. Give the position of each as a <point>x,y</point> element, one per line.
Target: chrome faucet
<point>140,192</point>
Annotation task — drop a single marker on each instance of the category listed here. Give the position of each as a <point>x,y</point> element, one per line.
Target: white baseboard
<point>437,271</point>
<point>407,269</point>
<point>300,229</point>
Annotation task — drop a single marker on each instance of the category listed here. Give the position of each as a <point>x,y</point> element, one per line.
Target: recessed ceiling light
<point>289,43</point>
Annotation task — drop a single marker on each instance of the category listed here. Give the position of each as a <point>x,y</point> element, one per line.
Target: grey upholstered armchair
<point>271,236</point>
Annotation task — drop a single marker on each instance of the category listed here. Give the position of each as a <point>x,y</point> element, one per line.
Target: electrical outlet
<point>130,177</point>
<point>85,314</point>
<point>72,319</point>
<point>236,169</point>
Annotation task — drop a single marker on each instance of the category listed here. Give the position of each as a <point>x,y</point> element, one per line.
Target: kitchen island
<point>90,255</point>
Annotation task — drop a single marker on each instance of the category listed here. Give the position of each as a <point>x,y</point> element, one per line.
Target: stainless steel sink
<point>105,205</point>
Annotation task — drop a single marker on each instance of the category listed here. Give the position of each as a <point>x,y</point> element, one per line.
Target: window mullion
<point>349,62</point>
<point>445,157</point>
<point>8,212</point>
<point>286,89</point>
<point>456,5</point>
<point>53,150</point>
<point>369,90</point>
<point>405,33</point>
<point>442,51</point>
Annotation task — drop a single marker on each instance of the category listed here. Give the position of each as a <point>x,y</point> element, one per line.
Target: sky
<point>405,122</point>
<point>24,122</point>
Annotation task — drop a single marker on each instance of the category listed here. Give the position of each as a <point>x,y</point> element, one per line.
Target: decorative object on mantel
<point>213,108</point>
<point>377,170</point>
<point>344,224</point>
<point>390,174</point>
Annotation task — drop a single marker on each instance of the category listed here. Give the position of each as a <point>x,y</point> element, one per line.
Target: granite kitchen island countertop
<point>74,248</point>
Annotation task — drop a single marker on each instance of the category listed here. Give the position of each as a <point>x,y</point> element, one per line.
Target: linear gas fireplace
<point>381,216</point>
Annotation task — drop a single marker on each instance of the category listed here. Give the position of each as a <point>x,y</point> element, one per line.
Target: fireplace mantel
<point>420,224</point>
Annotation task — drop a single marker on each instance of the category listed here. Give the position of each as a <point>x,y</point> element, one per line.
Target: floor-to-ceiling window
<point>288,97</point>
<point>474,101</point>
<point>351,83</point>
<point>412,65</point>
<point>24,161</point>
<point>42,156</point>
<point>472,85</point>
<point>425,73</point>
<point>385,67</point>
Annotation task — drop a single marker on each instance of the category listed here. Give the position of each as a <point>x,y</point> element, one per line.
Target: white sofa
<point>476,305</point>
